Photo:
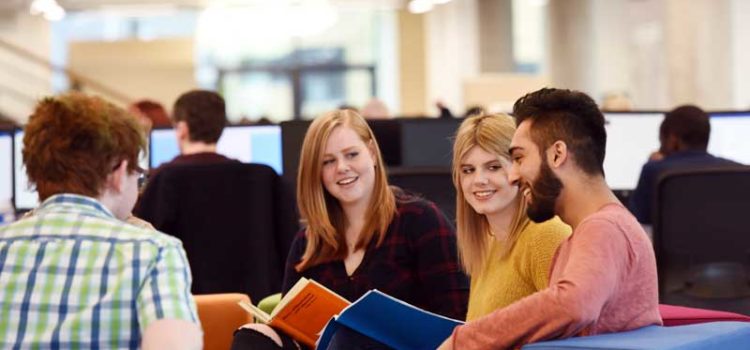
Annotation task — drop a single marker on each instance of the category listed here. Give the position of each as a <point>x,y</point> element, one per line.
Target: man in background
<point>74,274</point>
<point>234,219</point>
<point>683,135</point>
<point>199,117</point>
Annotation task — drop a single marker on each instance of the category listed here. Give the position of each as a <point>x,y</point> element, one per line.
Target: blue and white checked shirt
<point>74,276</point>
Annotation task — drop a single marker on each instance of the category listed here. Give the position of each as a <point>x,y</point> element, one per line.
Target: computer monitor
<point>24,198</point>
<point>631,138</point>
<point>6,166</point>
<point>162,147</point>
<point>253,144</point>
<point>246,143</point>
<point>386,132</point>
<point>427,142</point>
<point>292,135</point>
<point>730,136</point>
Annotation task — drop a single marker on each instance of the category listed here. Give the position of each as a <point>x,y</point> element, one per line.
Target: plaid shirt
<point>417,263</point>
<point>73,276</point>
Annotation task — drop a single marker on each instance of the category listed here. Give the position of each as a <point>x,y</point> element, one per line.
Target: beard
<point>544,192</point>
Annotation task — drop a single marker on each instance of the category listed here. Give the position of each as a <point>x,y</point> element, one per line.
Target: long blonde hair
<point>321,212</point>
<point>493,134</point>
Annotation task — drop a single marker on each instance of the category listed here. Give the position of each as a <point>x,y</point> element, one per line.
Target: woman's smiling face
<point>348,169</point>
<point>484,182</point>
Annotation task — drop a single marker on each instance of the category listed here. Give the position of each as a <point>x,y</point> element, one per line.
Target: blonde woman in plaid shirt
<point>74,274</point>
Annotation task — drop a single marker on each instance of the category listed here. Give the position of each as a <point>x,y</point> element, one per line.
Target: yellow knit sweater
<point>523,271</point>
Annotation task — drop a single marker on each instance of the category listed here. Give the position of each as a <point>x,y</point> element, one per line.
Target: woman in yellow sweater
<point>507,256</point>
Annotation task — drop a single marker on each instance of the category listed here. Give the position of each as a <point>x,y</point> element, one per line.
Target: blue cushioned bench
<point>704,336</point>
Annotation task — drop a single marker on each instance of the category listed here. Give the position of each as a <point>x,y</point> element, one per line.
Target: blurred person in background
<point>375,109</point>
<point>151,114</point>
<point>683,138</point>
<point>616,102</point>
<point>199,118</point>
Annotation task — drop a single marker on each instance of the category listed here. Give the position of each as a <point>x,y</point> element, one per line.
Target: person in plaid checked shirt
<point>362,234</point>
<point>73,273</point>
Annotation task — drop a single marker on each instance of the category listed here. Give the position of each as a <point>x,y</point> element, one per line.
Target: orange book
<point>303,311</point>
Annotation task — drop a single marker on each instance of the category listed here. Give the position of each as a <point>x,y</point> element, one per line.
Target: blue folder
<point>704,336</point>
<point>390,322</point>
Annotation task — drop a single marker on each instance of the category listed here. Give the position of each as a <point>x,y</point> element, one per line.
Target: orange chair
<point>220,316</point>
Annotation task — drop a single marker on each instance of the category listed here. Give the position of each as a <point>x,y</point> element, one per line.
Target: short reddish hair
<point>153,110</point>
<point>73,142</point>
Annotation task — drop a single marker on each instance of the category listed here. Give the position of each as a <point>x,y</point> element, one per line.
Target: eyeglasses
<point>142,177</point>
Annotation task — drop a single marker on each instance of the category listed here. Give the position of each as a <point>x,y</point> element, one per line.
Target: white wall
<point>612,70</point>
<point>661,52</point>
<point>160,69</point>
<point>452,52</point>
<point>645,40</point>
<point>21,81</point>
<point>740,17</point>
<point>699,53</point>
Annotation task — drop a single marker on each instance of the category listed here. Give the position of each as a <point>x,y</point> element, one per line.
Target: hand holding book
<point>309,309</point>
<point>303,311</point>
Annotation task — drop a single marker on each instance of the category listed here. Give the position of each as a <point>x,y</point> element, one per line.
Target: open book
<point>303,311</point>
<point>391,322</point>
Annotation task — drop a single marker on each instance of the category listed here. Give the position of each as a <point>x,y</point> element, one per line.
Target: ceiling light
<point>420,6</point>
<point>50,9</point>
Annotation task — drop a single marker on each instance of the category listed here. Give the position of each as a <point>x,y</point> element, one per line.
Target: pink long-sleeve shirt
<point>603,280</point>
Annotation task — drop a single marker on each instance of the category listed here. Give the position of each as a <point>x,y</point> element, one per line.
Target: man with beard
<point>603,278</point>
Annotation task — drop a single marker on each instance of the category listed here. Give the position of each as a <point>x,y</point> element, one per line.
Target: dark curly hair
<point>689,124</point>
<point>73,142</point>
<point>204,112</point>
<point>569,116</point>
